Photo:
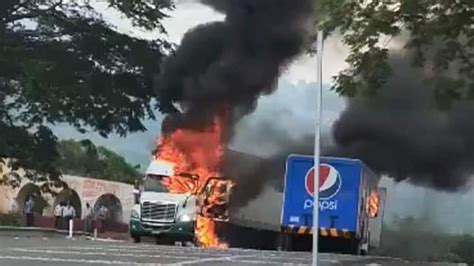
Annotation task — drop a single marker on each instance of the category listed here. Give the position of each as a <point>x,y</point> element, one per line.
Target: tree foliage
<point>62,62</point>
<point>83,158</point>
<point>437,33</point>
<point>417,239</point>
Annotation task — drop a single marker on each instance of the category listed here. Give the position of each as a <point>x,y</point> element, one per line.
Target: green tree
<point>463,248</point>
<point>83,158</point>
<point>61,62</point>
<point>416,239</point>
<point>437,33</point>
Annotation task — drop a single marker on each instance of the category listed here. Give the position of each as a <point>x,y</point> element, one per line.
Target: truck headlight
<point>185,218</point>
<point>135,214</point>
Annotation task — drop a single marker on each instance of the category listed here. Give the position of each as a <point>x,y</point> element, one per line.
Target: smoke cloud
<point>254,173</point>
<point>224,67</point>
<point>399,132</point>
<point>402,134</point>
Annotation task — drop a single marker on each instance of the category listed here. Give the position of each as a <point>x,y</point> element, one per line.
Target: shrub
<point>414,239</point>
<point>10,219</point>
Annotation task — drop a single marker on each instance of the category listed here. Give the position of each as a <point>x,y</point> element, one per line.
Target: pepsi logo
<point>329,181</point>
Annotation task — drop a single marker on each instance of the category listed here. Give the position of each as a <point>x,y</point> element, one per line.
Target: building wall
<point>89,191</point>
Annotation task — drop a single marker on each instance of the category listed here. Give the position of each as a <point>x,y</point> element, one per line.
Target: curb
<point>18,231</point>
<point>36,229</point>
<point>14,231</point>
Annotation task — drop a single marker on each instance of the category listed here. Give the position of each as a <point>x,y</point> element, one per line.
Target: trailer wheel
<point>355,247</point>
<point>364,247</point>
<point>285,242</point>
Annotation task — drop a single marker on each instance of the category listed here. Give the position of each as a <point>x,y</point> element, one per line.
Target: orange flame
<point>205,232</point>
<point>373,204</point>
<point>197,153</point>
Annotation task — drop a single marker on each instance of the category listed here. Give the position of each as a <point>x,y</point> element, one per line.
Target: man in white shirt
<point>28,209</point>
<point>69,212</point>
<point>103,215</point>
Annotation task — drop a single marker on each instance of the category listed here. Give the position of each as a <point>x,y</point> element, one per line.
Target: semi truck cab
<point>168,215</point>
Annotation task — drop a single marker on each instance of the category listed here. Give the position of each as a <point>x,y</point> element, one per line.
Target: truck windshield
<point>154,184</point>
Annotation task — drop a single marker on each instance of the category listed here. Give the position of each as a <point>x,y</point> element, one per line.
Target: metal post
<point>71,227</point>
<point>317,145</point>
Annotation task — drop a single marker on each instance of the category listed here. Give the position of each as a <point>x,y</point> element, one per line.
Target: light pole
<point>317,144</point>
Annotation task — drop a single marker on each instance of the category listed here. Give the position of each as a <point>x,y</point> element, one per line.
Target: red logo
<point>329,181</point>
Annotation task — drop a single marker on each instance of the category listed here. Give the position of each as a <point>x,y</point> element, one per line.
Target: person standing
<point>69,212</point>
<point>88,219</point>
<point>103,214</point>
<point>58,214</point>
<point>28,209</point>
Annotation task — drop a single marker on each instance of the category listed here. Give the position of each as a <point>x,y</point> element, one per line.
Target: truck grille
<point>158,212</point>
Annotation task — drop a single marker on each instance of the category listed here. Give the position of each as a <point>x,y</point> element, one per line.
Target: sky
<point>293,99</point>
<point>290,109</point>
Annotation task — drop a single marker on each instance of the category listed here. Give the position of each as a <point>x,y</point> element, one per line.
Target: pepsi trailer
<point>350,204</point>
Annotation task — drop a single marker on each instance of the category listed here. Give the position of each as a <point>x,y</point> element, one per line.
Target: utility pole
<point>317,144</point>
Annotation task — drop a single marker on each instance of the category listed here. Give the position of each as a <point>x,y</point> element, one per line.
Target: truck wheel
<point>355,247</point>
<point>136,239</point>
<point>365,247</point>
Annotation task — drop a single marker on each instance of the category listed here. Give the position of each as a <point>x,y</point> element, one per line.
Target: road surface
<point>57,251</point>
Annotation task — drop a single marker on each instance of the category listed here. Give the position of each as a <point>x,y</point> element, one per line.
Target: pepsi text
<point>330,205</point>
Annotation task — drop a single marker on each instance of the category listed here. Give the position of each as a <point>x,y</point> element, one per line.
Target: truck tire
<point>136,239</point>
<point>355,247</point>
<point>365,247</point>
<point>285,242</point>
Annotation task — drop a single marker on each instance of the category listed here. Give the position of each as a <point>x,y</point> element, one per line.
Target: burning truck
<point>183,194</point>
<point>184,207</point>
<point>175,206</point>
<point>213,80</point>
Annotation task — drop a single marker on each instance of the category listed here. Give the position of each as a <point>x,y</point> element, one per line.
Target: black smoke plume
<point>401,133</point>
<point>226,66</point>
<point>253,173</point>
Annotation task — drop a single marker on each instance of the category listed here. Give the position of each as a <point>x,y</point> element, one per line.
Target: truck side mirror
<point>136,192</point>
<point>136,197</point>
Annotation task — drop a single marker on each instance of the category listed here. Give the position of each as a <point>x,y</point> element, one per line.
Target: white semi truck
<point>167,215</point>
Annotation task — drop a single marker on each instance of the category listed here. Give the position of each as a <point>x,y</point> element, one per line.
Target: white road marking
<point>146,251</point>
<point>231,258</point>
<point>193,255</point>
<point>81,261</point>
<point>57,252</point>
<point>266,262</point>
<point>107,240</point>
<point>191,252</point>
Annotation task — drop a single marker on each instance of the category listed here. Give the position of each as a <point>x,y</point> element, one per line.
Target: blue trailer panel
<point>339,192</point>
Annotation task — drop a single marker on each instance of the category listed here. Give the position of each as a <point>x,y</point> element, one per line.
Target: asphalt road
<point>25,251</point>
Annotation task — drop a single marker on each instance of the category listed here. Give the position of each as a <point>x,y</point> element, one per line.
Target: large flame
<point>197,154</point>
<point>373,204</point>
<point>205,233</point>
